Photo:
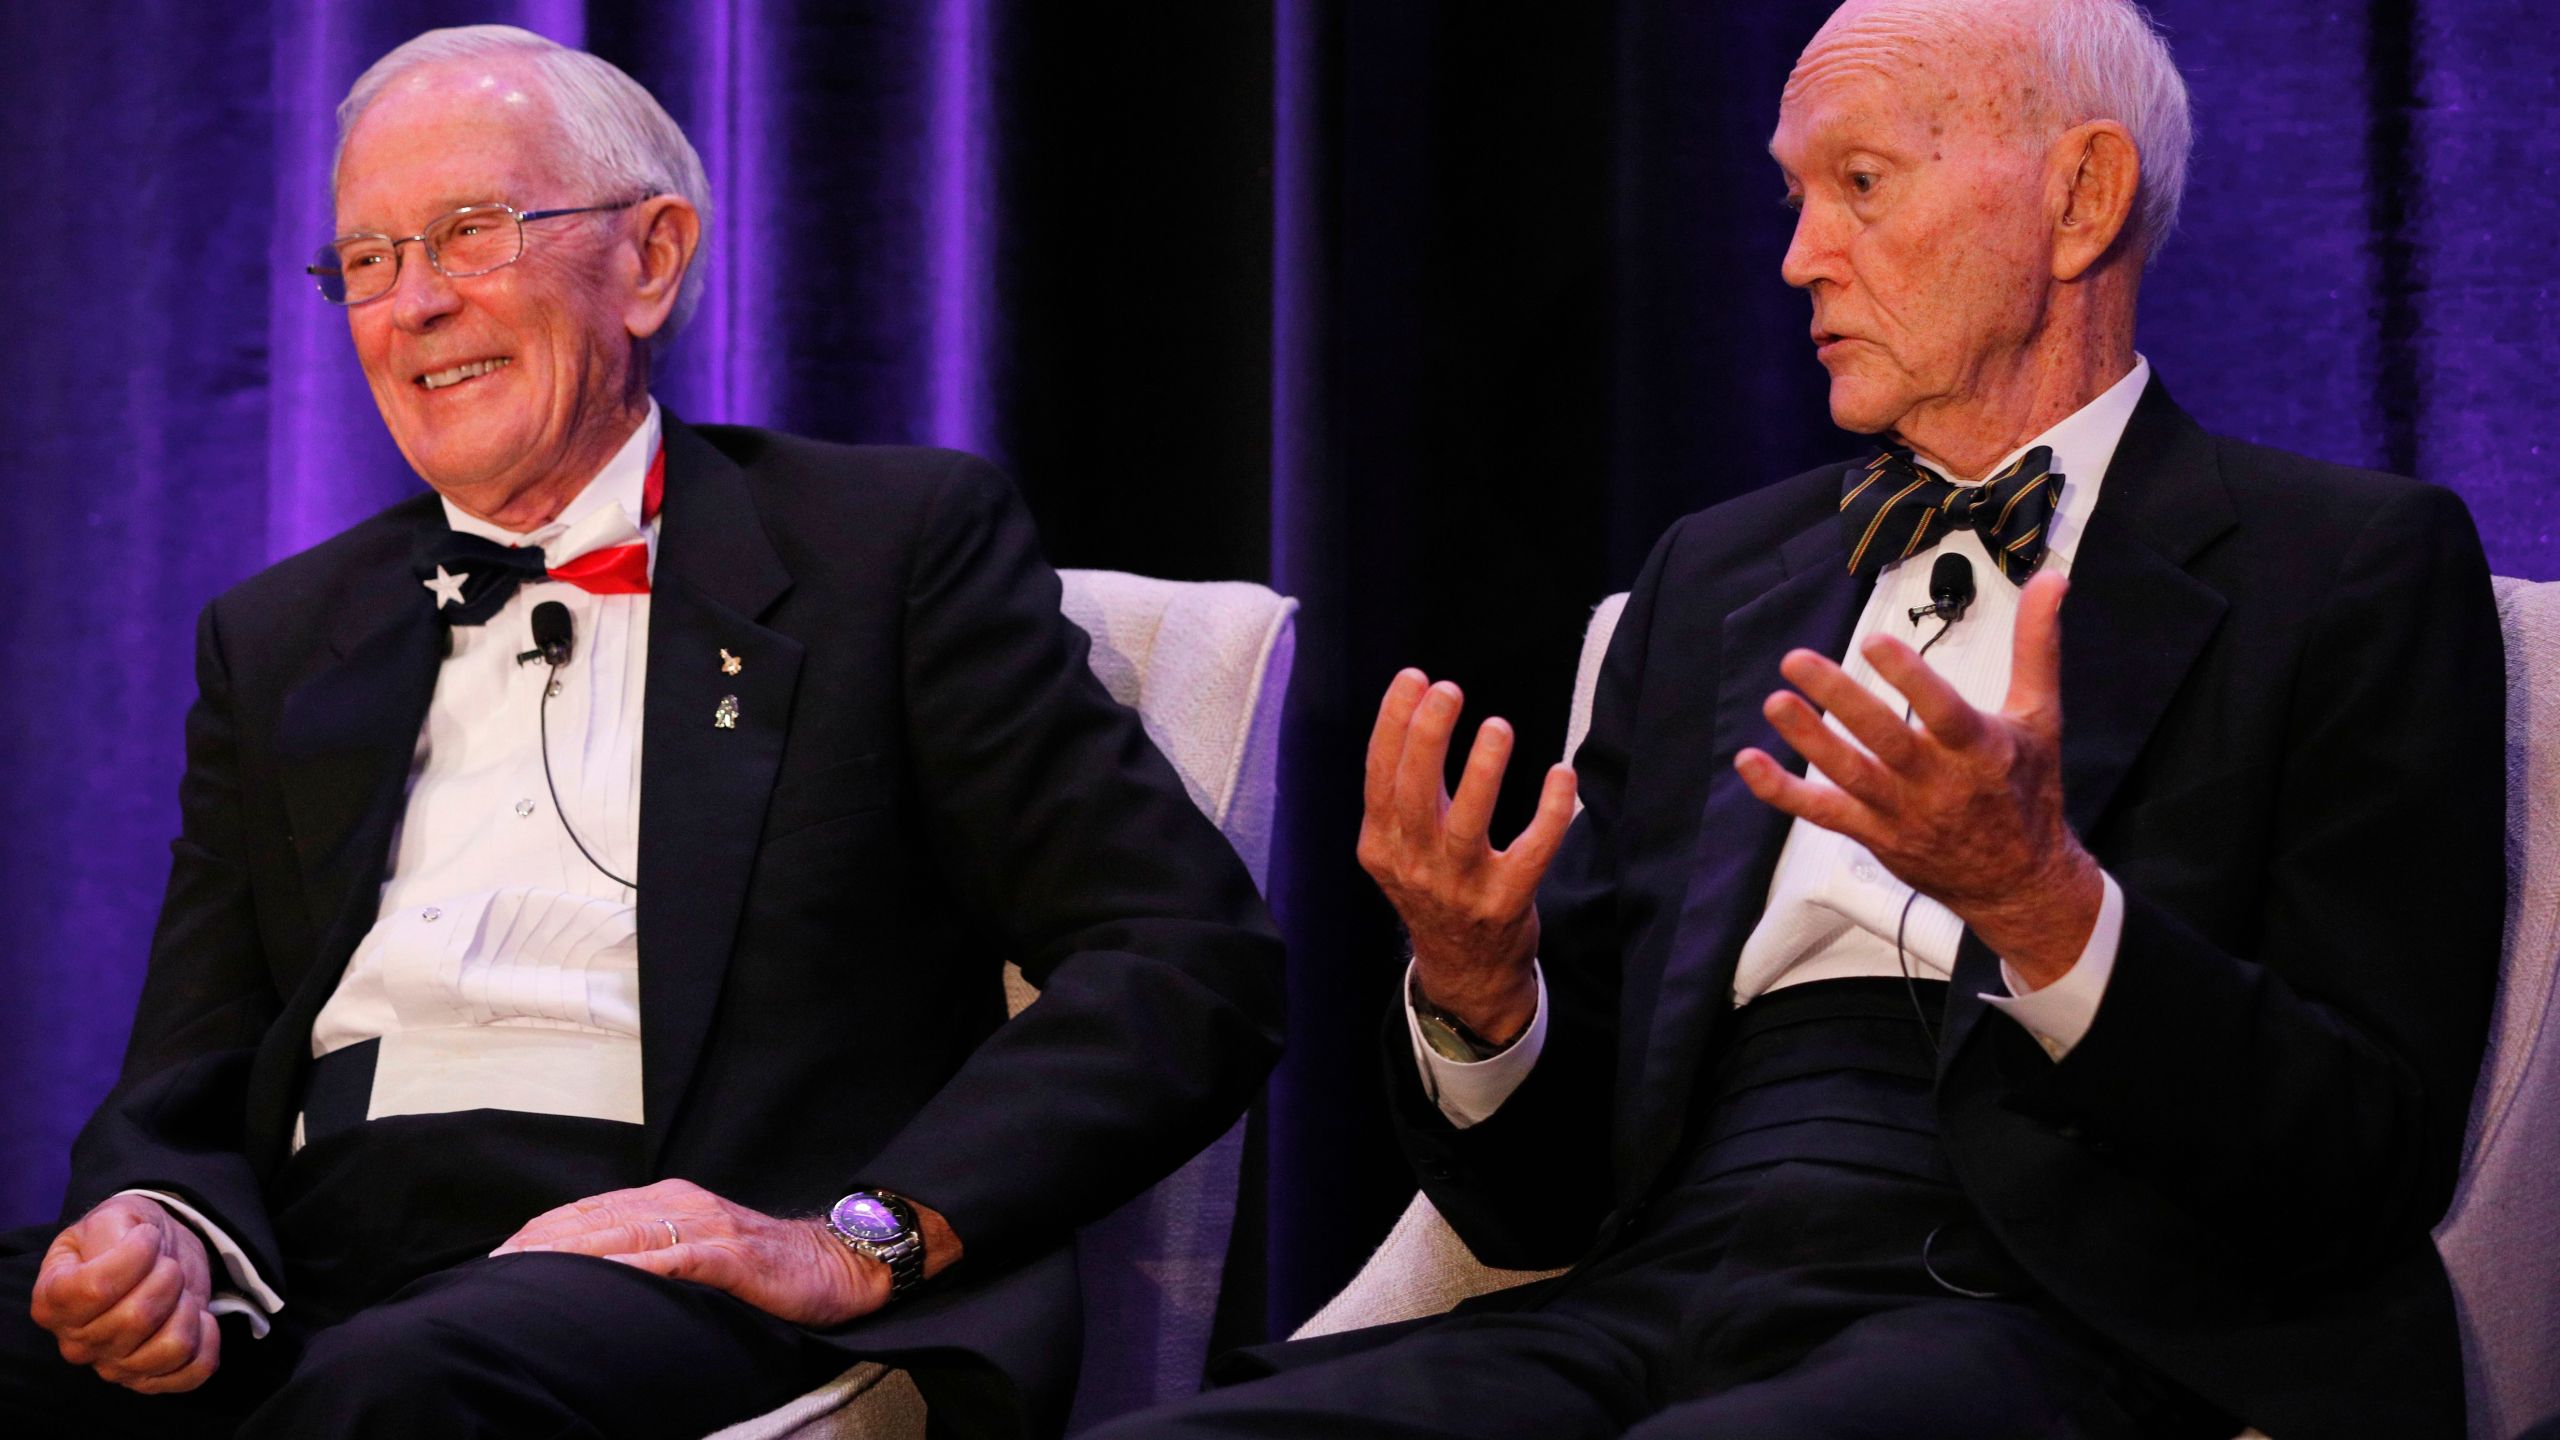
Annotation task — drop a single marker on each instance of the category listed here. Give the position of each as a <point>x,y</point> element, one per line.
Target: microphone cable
<point>1902,957</point>
<point>551,645</point>
<point>1951,593</point>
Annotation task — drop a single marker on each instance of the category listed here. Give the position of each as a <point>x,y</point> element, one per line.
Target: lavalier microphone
<point>553,632</point>
<point>1950,590</point>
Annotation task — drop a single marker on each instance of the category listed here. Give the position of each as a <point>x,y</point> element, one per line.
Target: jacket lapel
<point>2134,623</point>
<point>704,783</point>
<point>345,739</point>
<point>1811,600</point>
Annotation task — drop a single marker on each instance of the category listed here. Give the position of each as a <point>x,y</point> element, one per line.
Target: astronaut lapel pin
<point>724,716</point>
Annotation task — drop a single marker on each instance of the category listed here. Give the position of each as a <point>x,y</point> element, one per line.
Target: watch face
<point>865,1218</point>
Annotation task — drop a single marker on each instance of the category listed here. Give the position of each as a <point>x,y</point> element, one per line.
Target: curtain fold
<point>1432,315</point>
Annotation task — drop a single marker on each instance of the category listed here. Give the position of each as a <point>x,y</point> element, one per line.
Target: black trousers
<point>1812,1274</point>
<point>532,1346</point>
<point>396,1325</point>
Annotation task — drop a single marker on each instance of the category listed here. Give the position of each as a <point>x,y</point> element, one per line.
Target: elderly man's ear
<point>668,233</point>
<point>2097,171</point>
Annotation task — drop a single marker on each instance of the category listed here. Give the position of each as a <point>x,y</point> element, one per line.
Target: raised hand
<point>1964,806</point>
<point>126,1291</point>
<point>1470,909</point>
<point>794,1269</point>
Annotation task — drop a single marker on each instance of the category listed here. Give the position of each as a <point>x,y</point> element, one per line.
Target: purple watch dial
<point>865,1218</point>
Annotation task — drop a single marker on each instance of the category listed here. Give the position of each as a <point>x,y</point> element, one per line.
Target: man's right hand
<point>1470,909</point>
<point>126,1291</point>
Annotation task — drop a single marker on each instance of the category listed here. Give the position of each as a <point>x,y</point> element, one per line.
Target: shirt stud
<point>524,808</point>
<point>724,716</point>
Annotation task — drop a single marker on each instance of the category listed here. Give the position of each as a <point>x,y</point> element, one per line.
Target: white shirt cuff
<point>250,1297</point>
<point>1468,1092</point>
<point>2060,1014</point>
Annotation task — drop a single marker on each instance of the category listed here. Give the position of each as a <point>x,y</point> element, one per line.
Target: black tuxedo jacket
<point>924,781</point>
<point>2283,710</point>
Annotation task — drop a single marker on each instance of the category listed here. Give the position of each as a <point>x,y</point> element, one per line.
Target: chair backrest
<point>2501,1239</point>
<point>1206,666</point>
<point>1586,673</point>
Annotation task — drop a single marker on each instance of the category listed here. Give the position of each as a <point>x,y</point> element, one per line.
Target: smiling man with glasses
<point>468,1094</point>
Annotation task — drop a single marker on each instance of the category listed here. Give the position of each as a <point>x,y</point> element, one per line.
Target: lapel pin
<point>448,588</point>
<point>731,664</point>
<point>724,716</point>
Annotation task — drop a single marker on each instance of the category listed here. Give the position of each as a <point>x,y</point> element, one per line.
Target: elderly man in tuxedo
<point>578,1004</point>
<point>2021,963</point>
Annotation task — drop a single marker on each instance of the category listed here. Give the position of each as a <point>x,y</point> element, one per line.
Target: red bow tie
<point>621,569</point>
<point>471,577</point>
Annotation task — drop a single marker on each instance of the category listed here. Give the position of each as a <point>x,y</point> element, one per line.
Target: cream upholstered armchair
<point>1206,666</point>
<point>2500,1240</point>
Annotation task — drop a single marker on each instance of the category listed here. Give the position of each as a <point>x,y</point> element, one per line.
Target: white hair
<point>619,138</point>
<point>2106,60</point>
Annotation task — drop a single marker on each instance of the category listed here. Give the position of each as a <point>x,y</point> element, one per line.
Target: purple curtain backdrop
<point>1431,315</point>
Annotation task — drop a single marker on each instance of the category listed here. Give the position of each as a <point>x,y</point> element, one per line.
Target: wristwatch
<point>883,1226</point>
<point>1448,1036</point>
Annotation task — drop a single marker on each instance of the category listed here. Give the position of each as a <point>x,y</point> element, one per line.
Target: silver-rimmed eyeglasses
<point>473,240</point>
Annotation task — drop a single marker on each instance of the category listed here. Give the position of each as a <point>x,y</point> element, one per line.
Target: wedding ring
<point>672,1237</point>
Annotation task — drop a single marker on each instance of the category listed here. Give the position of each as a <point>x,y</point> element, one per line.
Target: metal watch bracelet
<point>903,1253</point>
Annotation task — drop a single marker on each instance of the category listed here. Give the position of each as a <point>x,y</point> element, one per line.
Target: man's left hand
<point>794,1269</point>
<point>1964,806</point>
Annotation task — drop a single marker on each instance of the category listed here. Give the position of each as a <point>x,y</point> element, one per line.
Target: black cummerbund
<point>367,1205</point>
<point>1831,1070</point>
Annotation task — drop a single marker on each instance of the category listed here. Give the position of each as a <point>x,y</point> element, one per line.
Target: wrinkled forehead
<point>447,135</point>
<point>1855,104</point>
<point>1903,69</point>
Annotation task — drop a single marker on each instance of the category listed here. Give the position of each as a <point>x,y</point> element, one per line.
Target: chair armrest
<point>1421,1268</point>
<point>870,1401</point>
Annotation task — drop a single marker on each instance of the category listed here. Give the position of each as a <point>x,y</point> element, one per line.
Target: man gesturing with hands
<point>1470,910</point>
<point>1964,807</point>
<point>2020,962</point>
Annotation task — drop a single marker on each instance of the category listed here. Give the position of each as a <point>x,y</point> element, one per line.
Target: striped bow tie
<point>1892,508</point>
<point>471,577</point>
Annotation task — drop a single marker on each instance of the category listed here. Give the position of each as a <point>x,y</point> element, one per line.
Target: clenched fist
<point>126,1291</point>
